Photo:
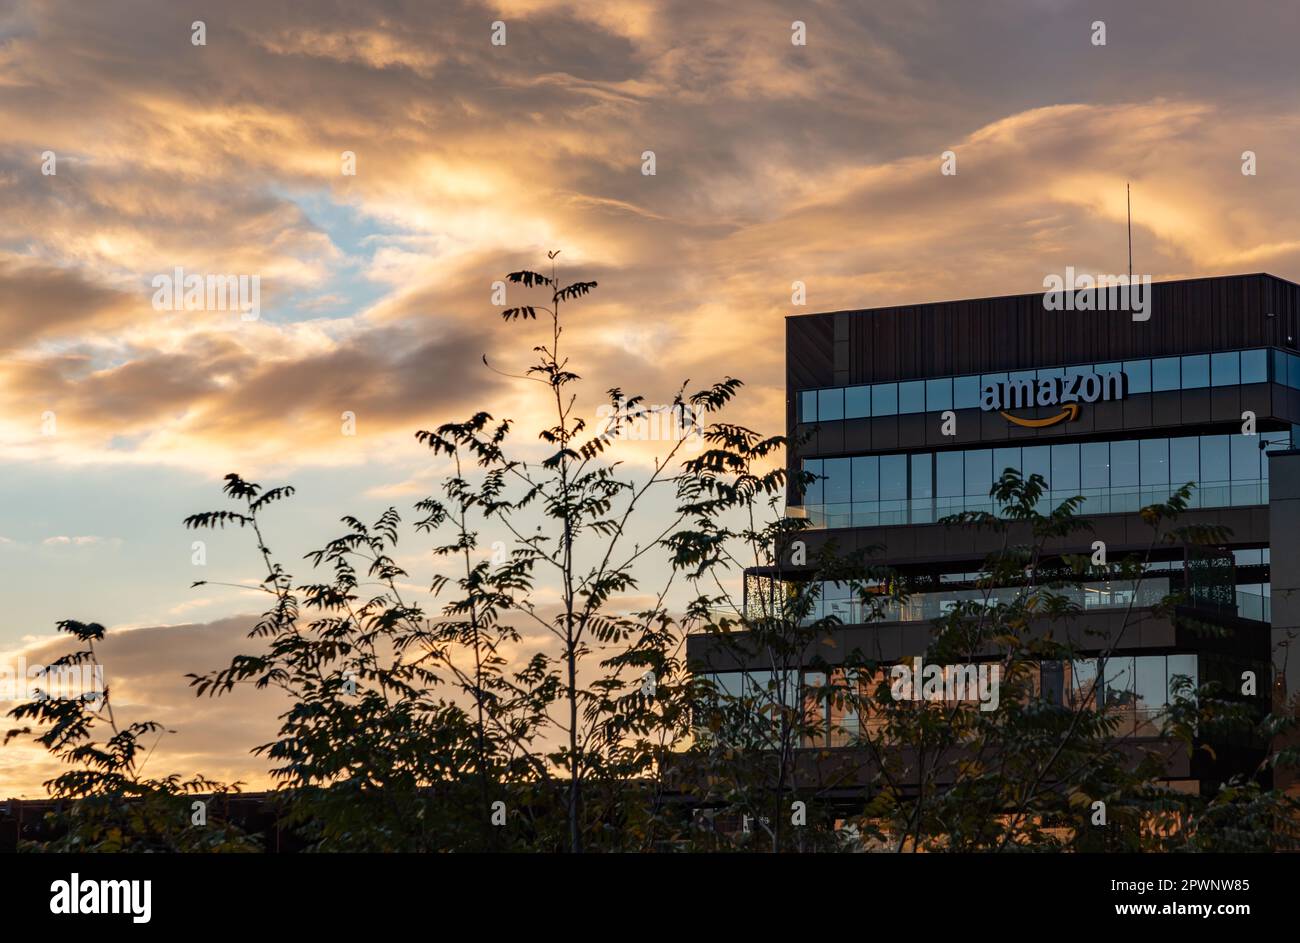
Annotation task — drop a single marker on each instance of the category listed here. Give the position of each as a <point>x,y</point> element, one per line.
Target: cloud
<point>144,670</point>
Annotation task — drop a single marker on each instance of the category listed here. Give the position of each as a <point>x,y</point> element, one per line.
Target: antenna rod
<point>1129,199</point>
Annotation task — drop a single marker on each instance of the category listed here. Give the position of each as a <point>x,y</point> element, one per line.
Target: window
<point>1124,464</point>
<point>893,477</point>
<point>1037,460</point>
<point>1184,665</point>
<point>857,402</point>
<point>1095,457</point>
<point>830,404</point>
<point>1254,366</point>
<point>1214,459</point>
<point>816,488</point>
<point>966,392</point>
<point>884,399</point>
<point>922,488</point>
<point>911,397</point>
<point>837,480</point>
<point>1196,371</point>
<point>1139,375</point>
<point>992,378</point>
<point>979,472</point>
<point>1244,452</point>
<point>950,474</point>
<point>808,406</point>
<point>1184,461</point>
<point>1004,459</point>
<point>866,478</point>
<point>1065,468</point>
<point>1154,456</point>
<point>938,395</point>
<point>1164,374</point>
<point>1118,683</point>
<point>1225,369</point>
<point>922,472</point>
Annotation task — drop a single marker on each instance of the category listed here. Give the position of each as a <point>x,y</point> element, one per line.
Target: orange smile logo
<point>1070,414</point>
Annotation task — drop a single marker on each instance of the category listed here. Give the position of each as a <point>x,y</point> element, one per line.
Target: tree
<point>108,803</point>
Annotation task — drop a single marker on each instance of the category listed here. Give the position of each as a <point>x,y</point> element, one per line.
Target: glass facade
<point>839,600</point>
<point>1133,689</point>
<point>1117,476</point>
<point>1225,368</point>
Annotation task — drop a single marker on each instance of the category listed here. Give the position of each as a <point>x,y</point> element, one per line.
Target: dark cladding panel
<point>986,335</point>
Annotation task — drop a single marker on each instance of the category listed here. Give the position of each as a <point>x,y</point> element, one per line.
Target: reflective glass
<point>911,397</point>
<point>884,399</point>
<point>1164,374</point>
<point>938,395</point>
<point>1196,371</point>
<point>1139,375</point>
<point>857,402</point>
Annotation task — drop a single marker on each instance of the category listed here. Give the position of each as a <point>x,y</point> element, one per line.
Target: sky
<point>774,163</point>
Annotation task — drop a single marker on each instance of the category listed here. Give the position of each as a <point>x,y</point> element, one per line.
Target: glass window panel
<point>1052,682</point>
<point>1244,452</point>
<point>965,392</point>
<point>1225,369</point>
<point>987,378</point>
<point>1165,374</point>
<point>1196,371</point>
<point>1037,460</point>
<point>884,399</point>
<point>857,402</point>
<point>1214,459</point>
<point>1095,460</point>
<point>893,477</point>
<point>1279,367</point>
<point>911,397</point>
<point>731,684</point>
<point>1004,459</point>
<point>1254,366</point>
<point>1124,464</point>
<point>1184,460</point>
<point>1078,369</point>
<point>1082,685</point>
<point>1154,455</point>
<point>1181,665</point>
<point>816,489</point>
<point>1118,682</point>
<point>922,472</point>
<point>866,478</point>
<point>1139,375</point>
<point>837,481</point>
<point>808,406</point>
<point>830,404</point>
<point>1293,370</point>
<point>1276,440</point>
<point>1065,468</point>
<point>1149,684</point>
<point>979,471</point>
<point>950,474</point>
<point>938,394</point>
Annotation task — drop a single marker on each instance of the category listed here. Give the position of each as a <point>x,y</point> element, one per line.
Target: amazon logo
<point>1063,392</point>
